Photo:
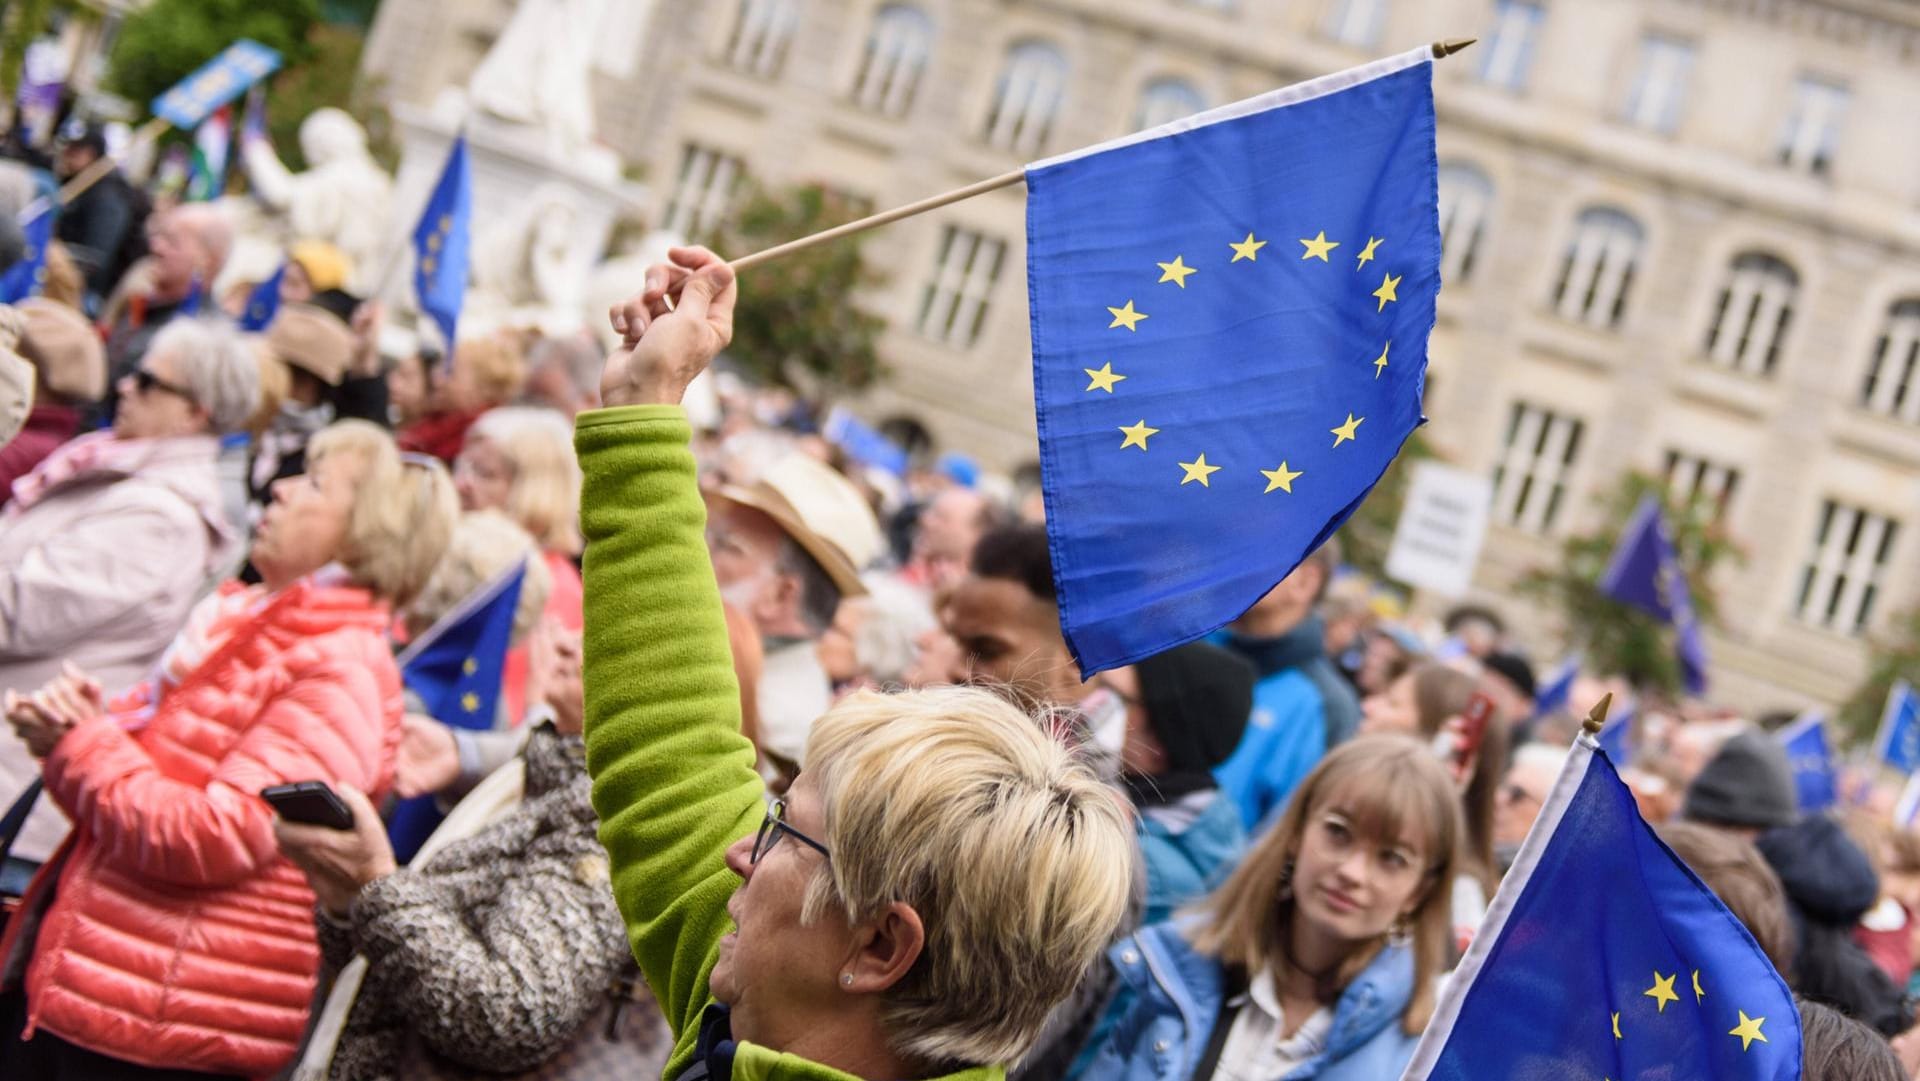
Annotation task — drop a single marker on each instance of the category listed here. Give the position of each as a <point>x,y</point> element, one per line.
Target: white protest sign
<point>1437,541</point>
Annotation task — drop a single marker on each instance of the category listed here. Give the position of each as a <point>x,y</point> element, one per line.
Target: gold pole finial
<point>1450,46</point>
<point>1597,717</point>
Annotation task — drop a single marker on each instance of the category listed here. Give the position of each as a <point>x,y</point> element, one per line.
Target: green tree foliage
<point>167,40</point>
<point>800,326</point>
<point>1367,536</point>
<point>1617,638</point>
<point>326,78</point>
<point>1893,658</point>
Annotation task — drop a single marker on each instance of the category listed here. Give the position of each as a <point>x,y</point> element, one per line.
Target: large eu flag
<point>1645,572</point>
<point>1230,318</point>
<point>440,245</point>
<point>1603,956</point>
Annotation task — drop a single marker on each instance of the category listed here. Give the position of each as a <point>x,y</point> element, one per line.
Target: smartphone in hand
<point>310,803</point>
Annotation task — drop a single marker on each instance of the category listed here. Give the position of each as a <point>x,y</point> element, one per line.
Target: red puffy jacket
<point>177,934</point>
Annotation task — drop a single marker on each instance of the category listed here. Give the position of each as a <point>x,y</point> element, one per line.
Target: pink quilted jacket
<point>177,934</point>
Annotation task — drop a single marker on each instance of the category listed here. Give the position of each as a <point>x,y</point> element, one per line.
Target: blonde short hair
<point>497,368</point>
<point>1390,786</point>
<point>545,495</point>
<point>1016,857</point>
<point>403,510</point>
<point>485,543</point>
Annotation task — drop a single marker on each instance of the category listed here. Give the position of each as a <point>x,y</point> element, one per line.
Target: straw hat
<point>822,511</point>
<point>63,345</point>
<point>313,340</point>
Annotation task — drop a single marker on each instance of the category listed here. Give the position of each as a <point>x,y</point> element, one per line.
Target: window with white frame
<point>1890,388</point>
<point>1750,319</point>
<point>894,59</point>
<point>702,191</point>
<point>1659,90</point>
<point>1691,478</point>
<point>953,304</point>
<point>1466,197</point>
<point>1812,130</point>
<point>1509,55</point>
<point>1027,97</point>
<point>1530,480</point>
<point>1166,99</point>
<point>1851,549</point>
<point>762,31</point>
<point>1355,22</point>
<point>1599,268</point>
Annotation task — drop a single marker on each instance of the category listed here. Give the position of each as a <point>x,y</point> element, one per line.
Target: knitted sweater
<point>673,778</point>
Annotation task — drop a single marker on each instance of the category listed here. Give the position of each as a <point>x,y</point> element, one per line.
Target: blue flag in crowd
<point>440,244</point>
<point>1615,736</point>
<point>1898,744</point>
<point>1603,956</point>
<point>1554,693</point>
<point>862,443</point>
<point>263,303</point>
<point>1230,317</point>
<point>1645,572</point>
<point>455,669</point>
<point>1814,778</point>
<point>218,81</point>
<point>24,278</point>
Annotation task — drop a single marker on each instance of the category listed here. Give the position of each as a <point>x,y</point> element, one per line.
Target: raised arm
<point>673,779</point>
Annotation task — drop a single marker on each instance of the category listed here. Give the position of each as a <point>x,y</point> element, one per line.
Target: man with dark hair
<point>1301,705</point>
<point>1006,619</point>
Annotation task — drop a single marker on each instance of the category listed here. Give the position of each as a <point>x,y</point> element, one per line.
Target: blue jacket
<point>1170,996</point>
<point>1301,707</point>
<point>1187,847</point>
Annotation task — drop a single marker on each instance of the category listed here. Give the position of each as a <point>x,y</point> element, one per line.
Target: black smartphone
<point>310,803</point>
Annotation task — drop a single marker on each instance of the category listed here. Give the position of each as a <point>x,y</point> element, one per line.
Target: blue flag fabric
<point>24,278</point>
<point>263,303</point>
<point>1554,694</point>
<point>440,244</point>
<point>455,669</point>
<point>1814,777</point>
<point>864,444</point>
<point>1602,955</point>
<point>1645,573</point>
<point>1230,317</point>
<point>218,81</point>
<point>1898,743</point>
<point>1615,736</point>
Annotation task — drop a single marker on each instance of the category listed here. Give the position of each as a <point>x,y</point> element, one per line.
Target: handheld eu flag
<point>1645,572</point>
<point>263,303</point>
<point>1230,318</point>
<point>455,669</point>
<point>440,248</point>
<point>1898,742</point>
<point>1805,741</point>
<point>24,278</point>
<point>1602,955</point>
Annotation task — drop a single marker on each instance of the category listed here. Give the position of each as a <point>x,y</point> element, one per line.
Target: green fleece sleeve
<point>673,778</point>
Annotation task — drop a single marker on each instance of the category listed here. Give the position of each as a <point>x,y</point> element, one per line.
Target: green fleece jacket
<point>673,778</point>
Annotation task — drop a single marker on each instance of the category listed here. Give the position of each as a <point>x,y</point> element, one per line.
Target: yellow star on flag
<point>1662,990</point>
<point>446,222</point>
<point>433,242</point>
<point>1104,377</point>
<point>1281,478</point>
<point>1319,246</point>
<point>1748,1030</point>
<point>1385,292</point>
<point>1137,435</point>
<point>469,666</point>
<point>1125,317</point>
<point>1366,254</point>
<point>1380,362</point>
<point>426,265</point>
<point>1199,470</point>
<point>1175,272</point>
<point>470,702</point>
<point>1616,1026</point>
<point>1346,431</point>
<point>1699,996</point>
<point>1246,249</point>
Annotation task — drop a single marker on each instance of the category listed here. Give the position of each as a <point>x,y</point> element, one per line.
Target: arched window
<point>762,31</point>
<point>1890,388</point>
<point>1750,319</point>
<point>1166,99</point>
<point>1466,196</point>
<point>1599,267</point>
<point>894,59</point>
<point>1027,97</point>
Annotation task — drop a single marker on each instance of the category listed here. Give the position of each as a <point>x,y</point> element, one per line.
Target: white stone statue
<point>526,268</point>
<point>343,198</point>
<point>539,73</point>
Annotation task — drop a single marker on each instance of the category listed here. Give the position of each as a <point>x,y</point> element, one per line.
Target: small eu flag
<point>1553,695</point>
<point>1645,573</point>
<point>263,303</point>
<point>24,278</point>
<point>455,669</point>
<point>1898,744</point>
<point>1805,741</point>
<point>440,244</point>
<point>1602,955</point>
<point>1616,737</point>
<point>1230,317</point>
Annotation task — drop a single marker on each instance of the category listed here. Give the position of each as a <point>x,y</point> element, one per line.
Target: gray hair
<point>211,226</point>
<point>217,365</point>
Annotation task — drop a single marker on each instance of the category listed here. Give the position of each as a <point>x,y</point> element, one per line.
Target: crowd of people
<point>793,772</point>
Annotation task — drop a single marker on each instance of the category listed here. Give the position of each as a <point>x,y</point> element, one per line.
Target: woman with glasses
<point>937,878</point>
<point>169,937</point>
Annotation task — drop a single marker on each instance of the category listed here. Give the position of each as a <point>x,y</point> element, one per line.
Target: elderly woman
<point>484,373</point>
<point>170,935</point>
<point>934,882</point>
<point>519,460</point>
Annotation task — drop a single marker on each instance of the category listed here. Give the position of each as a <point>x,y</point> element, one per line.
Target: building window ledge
<point>1747,395</point>
<point>1868,433</point>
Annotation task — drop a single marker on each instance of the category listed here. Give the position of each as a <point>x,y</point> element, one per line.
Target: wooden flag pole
<point>105,163</point>
<point>1441,49</point>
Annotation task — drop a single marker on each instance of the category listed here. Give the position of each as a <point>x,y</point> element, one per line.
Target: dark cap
<point>1198,698</point>
<point>1749,783</point>
<point>91,136</point>
<point>1515,669</point>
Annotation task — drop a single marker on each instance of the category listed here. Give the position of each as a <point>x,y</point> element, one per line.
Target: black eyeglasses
<point>147,382</point>
<point>774,826</point>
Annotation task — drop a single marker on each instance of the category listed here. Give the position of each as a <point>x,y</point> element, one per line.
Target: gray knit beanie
<point>1749,783</point>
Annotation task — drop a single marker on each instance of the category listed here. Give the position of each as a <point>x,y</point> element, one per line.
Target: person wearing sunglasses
<point>938,876</point>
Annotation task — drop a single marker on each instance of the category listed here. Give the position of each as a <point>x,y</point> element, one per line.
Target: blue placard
<point>218,81</point>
